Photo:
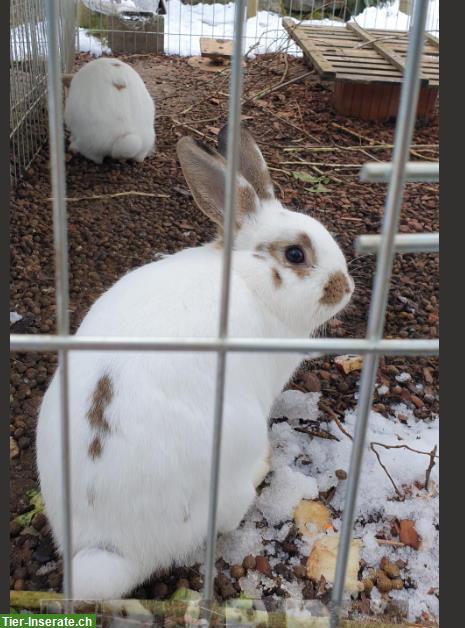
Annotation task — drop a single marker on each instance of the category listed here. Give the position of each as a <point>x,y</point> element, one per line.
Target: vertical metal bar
<point>57,163</point>
<point>402,141</point>
<point>232,163</point>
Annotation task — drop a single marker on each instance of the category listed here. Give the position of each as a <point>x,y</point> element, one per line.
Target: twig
<point>318,433</point>
<point>191,128</point>
<point>388,542</point>
<point>430,466</point>
<point>75,199</point>
<point>276,87</point>
<point>399,494</point>
<point>431,454</point>
<point>329,149</point>
<point>336,419</point>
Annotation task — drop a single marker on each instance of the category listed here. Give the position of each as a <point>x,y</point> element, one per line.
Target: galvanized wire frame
<point>372,346</point>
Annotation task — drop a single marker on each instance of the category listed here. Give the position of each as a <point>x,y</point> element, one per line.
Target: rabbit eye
<point>295,255</point>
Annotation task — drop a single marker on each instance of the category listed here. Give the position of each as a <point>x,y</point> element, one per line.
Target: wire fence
<point>373,346</point>
<point>28,76</point>
<point>175,26</point>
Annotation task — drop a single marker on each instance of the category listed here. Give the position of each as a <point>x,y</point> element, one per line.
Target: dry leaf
<point>408,534</point>
<point>322,562</point>
<point>14,449</point>
<point>311,513</point>
<point>349,363</point>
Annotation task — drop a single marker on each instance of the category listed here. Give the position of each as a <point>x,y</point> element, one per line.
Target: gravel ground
<point>110,235</point>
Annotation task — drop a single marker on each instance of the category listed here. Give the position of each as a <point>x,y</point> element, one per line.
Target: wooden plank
<point>434,40</point>
<point>390,55</point>
<point>355,69</point>
<point>322,65</point>
<point>364,78</point>
<point>216,48</point>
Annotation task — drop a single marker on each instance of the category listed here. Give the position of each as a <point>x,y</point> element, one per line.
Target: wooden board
<point>362,55</point>
<point>216,48</point>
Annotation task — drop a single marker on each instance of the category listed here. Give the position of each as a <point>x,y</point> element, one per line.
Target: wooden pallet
<point>367,67</point>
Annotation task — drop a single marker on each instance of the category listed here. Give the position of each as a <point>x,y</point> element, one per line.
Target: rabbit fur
<point>141,422</point>
<point>109,112</point>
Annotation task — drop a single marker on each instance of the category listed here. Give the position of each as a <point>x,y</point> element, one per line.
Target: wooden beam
<point>432,39</point>
<point>324,68</point>
<point>396,60</point>
<point>252,8</point>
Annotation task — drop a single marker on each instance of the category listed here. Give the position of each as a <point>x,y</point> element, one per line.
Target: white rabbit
<point>141,422</point>
<point>109,112</point>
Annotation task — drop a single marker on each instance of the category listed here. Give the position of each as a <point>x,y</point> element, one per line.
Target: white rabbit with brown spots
<point>141,422</point>
<point>109,112</point>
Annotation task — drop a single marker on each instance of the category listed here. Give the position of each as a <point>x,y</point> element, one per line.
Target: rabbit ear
<point>205,172</point>
<point>252,164</point>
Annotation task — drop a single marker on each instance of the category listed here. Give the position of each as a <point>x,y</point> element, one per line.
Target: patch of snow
<point>184,24</point>
<point>382,390</point>
<point>93,45</point>
<point>15,317</point>
<point>403,377</point>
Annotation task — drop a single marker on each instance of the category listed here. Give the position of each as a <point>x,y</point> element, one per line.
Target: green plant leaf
<point>37,503</point>
<point>305,177</point>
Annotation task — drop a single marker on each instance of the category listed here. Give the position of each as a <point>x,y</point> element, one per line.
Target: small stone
<point>160,590</point>
<point>14,449</point>
<point>390,569</point>
<point>367,584</point>
<point>325,375</point>
<point>196,583</point>
<point>341,474</point>
<point>417,401</point>
<point>15,528</point>
<point>39,520</point>
<point>311,382</point>
<point>249,562</point>
<point>383,583</point>
<point>227,591</point>
<point>24,442</point>
<point>290,548</point>
<point>263,566</point>
<point>237,571</point>
<point>20,573</point>
<point>300,571</point>
<point>308,592</point>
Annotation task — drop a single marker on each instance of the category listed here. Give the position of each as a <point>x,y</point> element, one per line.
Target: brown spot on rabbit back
<point>277,279</point>
<point>335,289</point>
<point>117,64</point>
<point>95,448</point>
<point>119,86</point>
<point>101,398</point>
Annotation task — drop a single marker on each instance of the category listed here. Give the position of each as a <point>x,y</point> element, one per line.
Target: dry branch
<point>75,199</point>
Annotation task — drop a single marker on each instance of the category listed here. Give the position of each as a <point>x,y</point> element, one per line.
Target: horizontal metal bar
<point>421,171</point>
<point>29,342</point>
<point>403,243</point>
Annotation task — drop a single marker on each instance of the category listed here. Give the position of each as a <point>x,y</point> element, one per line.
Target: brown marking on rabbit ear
<point>204,170</point>
<point>119,86</point>
<point>335,289</point>
<point>101,398</point>
<point>277,279</point>
<point>251,163</point>
<point>95,448</point>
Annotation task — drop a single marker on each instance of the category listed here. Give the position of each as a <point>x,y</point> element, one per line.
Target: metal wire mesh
<point>372,346</point>
<point>28,76</point>
<point>176,26</point>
